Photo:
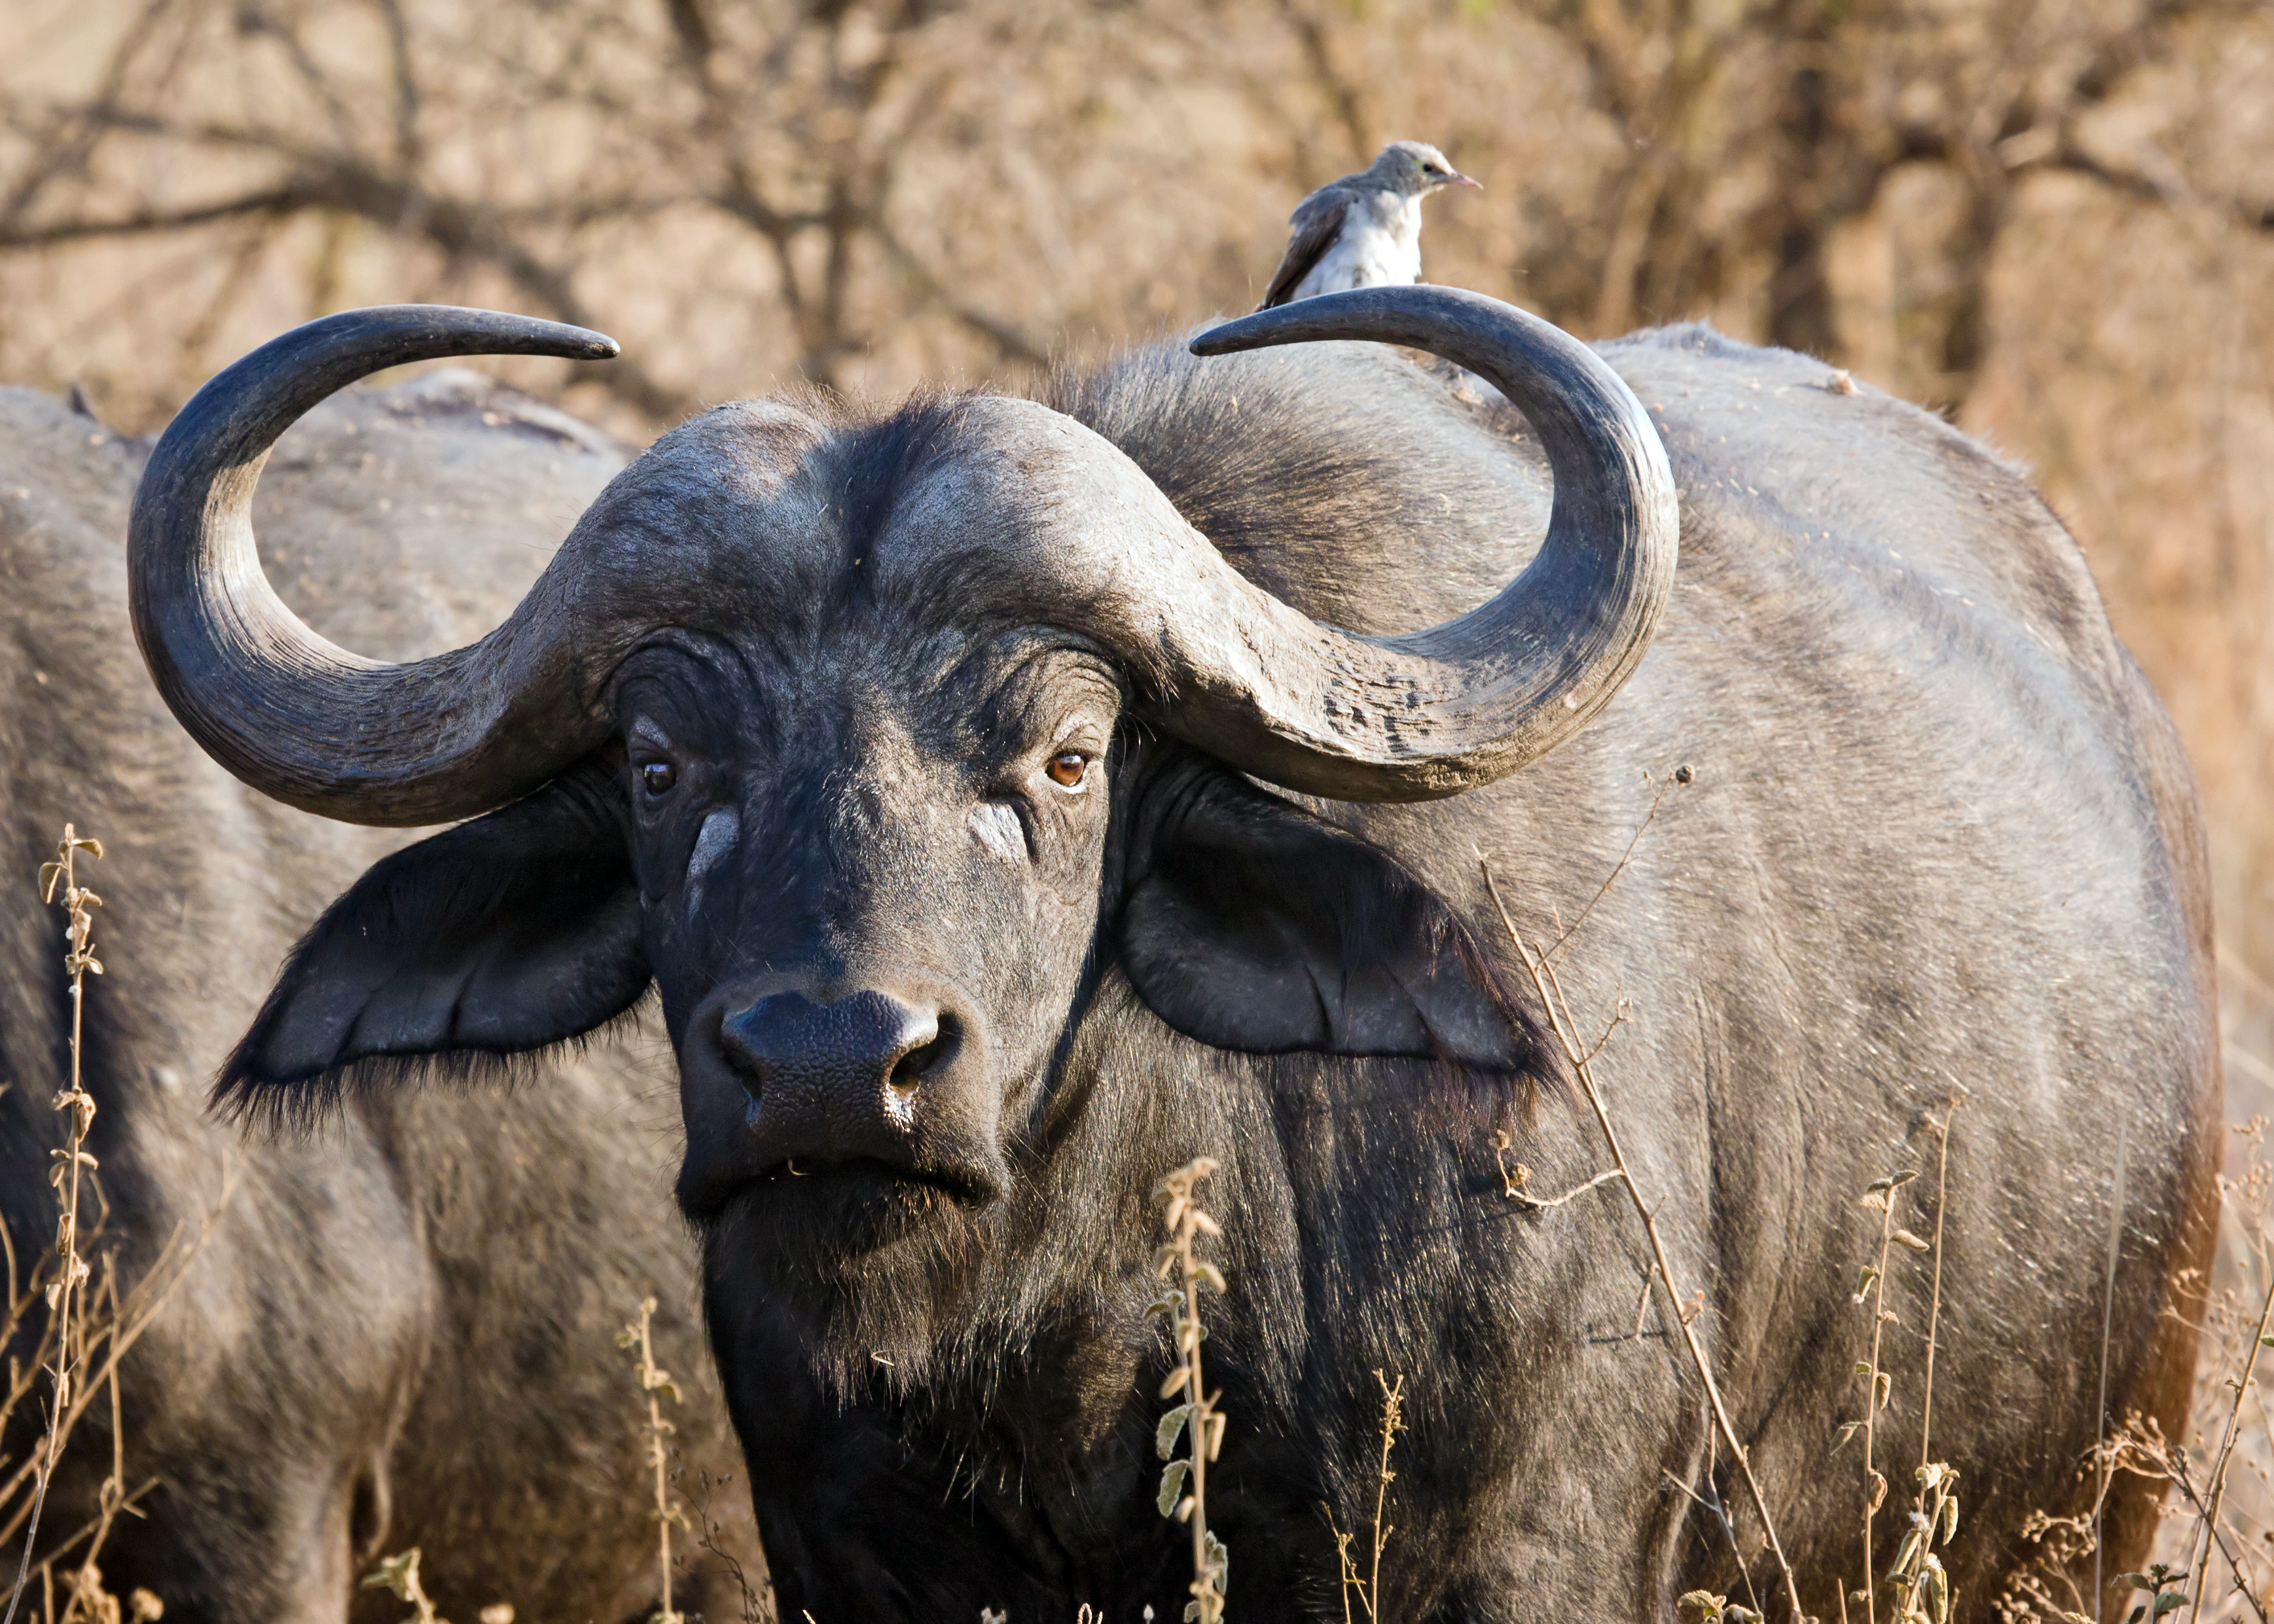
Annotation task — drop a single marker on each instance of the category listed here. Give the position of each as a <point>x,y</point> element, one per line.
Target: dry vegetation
<point>2052,219</point>
<point>68,1319</point>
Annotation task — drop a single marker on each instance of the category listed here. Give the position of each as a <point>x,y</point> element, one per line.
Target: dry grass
<point>655,1384</point>
<point>1184,1482</point>
<point>1366,1587</point>
<point>2218,1508</point>
<point>81,1320</point>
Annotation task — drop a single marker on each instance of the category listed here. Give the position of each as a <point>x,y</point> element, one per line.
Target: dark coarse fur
<point>1938,836</point>
<point>401,1331</point>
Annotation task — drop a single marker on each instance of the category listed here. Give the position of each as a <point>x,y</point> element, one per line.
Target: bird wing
<point>1317,221</point>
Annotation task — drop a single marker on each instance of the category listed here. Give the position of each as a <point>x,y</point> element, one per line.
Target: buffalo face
<point>869,876</point>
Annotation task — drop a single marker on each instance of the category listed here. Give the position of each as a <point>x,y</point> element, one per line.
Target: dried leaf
<point>1172,1484</point>
<point>1904,1238</point>
<point>1172,1424</point>
<point>398,1574</point>
<point>1175,1384</point>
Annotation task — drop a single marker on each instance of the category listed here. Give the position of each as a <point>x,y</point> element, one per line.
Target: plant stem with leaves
<point>1368,1590</point>
<point>1184,1483</point>
<point>64,1292</point>
<point>655,1382</point>
<point>1877,1386</point>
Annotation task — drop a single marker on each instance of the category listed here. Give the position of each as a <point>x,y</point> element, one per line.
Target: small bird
<point>1364,230</point>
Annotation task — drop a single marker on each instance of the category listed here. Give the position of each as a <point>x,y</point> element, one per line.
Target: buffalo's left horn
<point>288,712</point>
<point>1433,712</point>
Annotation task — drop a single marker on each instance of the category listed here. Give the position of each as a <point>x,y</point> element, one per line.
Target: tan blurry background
<point>2052,219</point>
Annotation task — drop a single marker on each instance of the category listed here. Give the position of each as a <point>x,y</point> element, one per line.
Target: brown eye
<point>1068,770</point>
<point>658,778</point>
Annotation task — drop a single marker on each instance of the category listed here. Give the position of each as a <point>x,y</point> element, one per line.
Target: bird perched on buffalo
<point>1364,230</point>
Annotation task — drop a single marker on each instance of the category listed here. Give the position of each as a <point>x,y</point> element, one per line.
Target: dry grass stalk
<point>1922,1592</point>
<point>2208,1534</point>
<point>87,1322</point>
<point>1539,964</point>
<point>2218,1476</point>
<point>1368,1589</point>
<point>1879,1385</point>
<point>1922,1586</point>
<point>1934,1300</point>
<point>72,1273</point>
<point>757,1606</point>
<point>1184,1482</point>
<point>654,1383</point>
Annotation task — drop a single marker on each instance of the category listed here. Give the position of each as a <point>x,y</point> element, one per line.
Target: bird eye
<point>658,778</point>
<point>1068,770</point>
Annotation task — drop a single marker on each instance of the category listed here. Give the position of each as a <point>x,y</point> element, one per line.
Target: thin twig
<point>1559,1015</point>
<point>1875,1486</point>
<point>1393,1405</point>
<point>1681,775</point>
<point>1934,1301</point>
<point>2226,1445</point>
<point>2107,1322</point>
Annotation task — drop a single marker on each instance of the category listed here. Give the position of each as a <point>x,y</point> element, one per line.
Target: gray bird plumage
<point>1364,230</point>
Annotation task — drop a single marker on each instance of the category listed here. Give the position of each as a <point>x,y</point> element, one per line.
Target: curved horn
<point>1432,713</point>
<point>290,714</point>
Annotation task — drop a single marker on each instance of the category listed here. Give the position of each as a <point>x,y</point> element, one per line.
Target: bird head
<point>1415,168</point>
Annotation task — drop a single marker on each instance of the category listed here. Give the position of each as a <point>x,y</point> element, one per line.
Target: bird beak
<point>1460,179</point>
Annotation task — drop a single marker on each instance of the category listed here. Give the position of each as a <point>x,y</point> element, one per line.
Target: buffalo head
<point>874,746</point>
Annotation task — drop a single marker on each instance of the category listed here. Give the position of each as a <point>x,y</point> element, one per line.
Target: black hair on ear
<point>508,933</point>
<point>1249,924</point>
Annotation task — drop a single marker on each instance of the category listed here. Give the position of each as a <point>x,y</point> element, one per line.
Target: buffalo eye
<point>1068,769</point>
<point>657,777</point>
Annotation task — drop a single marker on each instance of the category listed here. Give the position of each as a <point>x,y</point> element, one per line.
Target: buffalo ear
<point>1249,924</point>
<point>506,933</point>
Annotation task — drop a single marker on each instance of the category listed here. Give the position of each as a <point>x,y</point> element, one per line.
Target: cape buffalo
<point>922,761</point>
<point>401,1331</point>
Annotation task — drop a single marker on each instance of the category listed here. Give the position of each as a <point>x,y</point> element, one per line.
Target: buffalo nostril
<point>909,1071</point>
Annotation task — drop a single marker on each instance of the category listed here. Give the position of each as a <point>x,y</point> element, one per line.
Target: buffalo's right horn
<point>1434,712</point>
<point>288,712</point>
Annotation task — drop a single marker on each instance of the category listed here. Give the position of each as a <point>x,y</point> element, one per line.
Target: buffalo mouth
<point>858,1205</point>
